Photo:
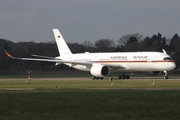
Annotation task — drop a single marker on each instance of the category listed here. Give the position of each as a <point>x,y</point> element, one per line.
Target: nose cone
<point>172,65</point>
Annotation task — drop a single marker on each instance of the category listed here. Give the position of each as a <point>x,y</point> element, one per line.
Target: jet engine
<point>153,73</point>
<point>99,70</point>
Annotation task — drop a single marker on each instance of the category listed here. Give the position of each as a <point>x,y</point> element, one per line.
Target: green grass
<point>87,83</point>
<point>90,104</point>
<point>47,74</point>
<point>85,99</point>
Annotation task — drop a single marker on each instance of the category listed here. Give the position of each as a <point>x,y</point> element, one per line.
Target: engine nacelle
<point>99,70</point>
<point>153,73</point>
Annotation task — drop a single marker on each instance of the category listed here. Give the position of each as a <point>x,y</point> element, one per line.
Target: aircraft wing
<point>40,56</point>
<point>113,67</point>
<point>49,60</point>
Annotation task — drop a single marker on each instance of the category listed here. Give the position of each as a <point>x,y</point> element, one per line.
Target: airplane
<point>100,65</point>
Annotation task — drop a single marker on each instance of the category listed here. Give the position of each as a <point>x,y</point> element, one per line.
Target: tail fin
<point>61,44</point>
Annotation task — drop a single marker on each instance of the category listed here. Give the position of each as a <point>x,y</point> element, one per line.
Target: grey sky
<point>80,20</point>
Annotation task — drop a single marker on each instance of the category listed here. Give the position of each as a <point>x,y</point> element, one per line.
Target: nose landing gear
<point>165,75</point>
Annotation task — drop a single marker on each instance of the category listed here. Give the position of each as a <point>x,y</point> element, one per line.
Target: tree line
<point>126,43</point>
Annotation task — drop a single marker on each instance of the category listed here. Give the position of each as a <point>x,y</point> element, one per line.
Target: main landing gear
<point>96,78</point>
<point>123,76</point>
<point>119,77</point>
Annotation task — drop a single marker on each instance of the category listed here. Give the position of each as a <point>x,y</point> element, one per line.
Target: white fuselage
<point>130,61</point>
<point>101,64</point>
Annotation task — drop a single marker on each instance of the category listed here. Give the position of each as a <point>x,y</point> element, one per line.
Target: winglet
<point>9,55</point>
<point>164,51</point>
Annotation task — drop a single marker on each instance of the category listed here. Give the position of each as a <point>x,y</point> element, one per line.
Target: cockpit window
<point>167,58</point>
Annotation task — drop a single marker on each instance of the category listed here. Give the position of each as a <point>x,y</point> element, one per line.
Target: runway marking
<point>18,89</point>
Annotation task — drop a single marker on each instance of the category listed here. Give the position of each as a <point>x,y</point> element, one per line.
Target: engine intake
<point>99,70</point>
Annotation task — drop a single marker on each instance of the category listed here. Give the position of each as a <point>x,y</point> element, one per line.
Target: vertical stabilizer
<point>61,44</point>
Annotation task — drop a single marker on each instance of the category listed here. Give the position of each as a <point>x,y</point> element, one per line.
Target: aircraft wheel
<point>123,76</point>
<point>93,77</point>
<point>166,77</point>
<point>119,77</point>
<point>127,76</point>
